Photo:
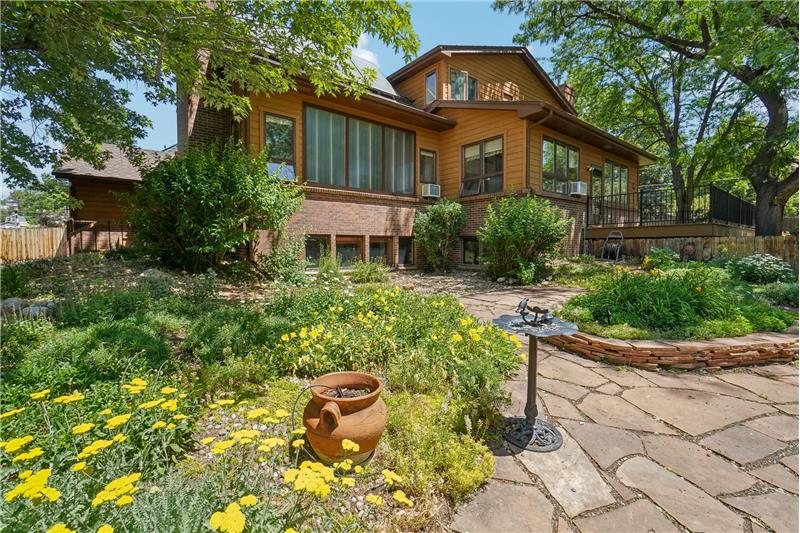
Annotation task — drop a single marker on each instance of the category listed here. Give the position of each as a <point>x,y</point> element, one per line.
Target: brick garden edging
<point>715,353</point>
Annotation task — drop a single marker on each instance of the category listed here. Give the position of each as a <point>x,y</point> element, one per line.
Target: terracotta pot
<point>329,421</point>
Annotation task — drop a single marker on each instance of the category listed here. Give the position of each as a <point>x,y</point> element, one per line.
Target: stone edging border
<point>715,353</point>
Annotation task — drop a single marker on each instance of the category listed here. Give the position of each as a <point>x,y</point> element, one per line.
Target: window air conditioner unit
<point>431,190</point>
<point>578,188</point>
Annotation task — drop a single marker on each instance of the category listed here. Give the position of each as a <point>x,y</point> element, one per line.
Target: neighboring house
<point>471,123</point>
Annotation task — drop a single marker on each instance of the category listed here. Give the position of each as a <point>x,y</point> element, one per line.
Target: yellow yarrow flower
<point>77,467</point>
<point>69,398</point>
<point>179,417</point>
<point>168,390</point>
<point>270,443</point>
<point>170,405</point>
<point>456,337</point>
<point>60,527</point>
<point>119,489</point>
<point>158,425</point>
<point>281,413</point>
<point>94,448</point>
<point>350,446</point>
<point>26,474</point>
<point>390,478</point>
<point>257,413</point>
<point>151,403</point>
<point>34,487</point>
<point>298,443</point>
<point>39,395</point>
<point>124,500</point>
<point>116,421</point>
<point>226,402</point>
<point>400,497</point>
<point>299,431</point>
<point>231,520</point>
<point>374,499</point>
<point>207,440</point>
<point>105,412</point>
<point>119,438</point>
<point>105,528</point>
<point>222,446</point>
<point>15,444</point>
<point>245,434</point>
<point>248,500</point>
<point>25,456</point>
<point>82,428</point>
<point>12,412</point>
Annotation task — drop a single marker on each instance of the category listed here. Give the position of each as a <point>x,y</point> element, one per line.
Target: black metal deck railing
<point>668,205</point>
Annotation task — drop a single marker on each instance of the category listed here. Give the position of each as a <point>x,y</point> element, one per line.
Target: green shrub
<point>660,258</point>
<point>764,317</point>
<point>190,211</point>
<point>369,272</point>
<point>519,235</point>
<point>203,289</point>
<point>98,305</point>
<point>782,294</point>
<point>232,332</point>
<point>14,281</point>
<point>329,268</point>
<point>21,336</point>
<point>285,262</point>
<point>762,268</point>
<point>425,449</point>
<point>436,233</point>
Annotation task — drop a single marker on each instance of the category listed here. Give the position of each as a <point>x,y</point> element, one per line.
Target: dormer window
<point>430,87</point>
<point>462,85</point>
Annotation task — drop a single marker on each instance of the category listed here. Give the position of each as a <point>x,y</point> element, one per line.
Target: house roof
<point>117,167</point>
<point>557,119</point>
<point>433,55</point>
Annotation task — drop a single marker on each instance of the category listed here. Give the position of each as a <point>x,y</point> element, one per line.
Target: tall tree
<point>63,64</point>
<point>753,42</point>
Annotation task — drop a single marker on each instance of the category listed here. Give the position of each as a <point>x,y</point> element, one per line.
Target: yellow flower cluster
<point>120,489</point>
<point>374,499</point>
<point>269,443</point>
<point>69,398</point>
<point>231,520</point>
<point>350,446</point>
<point>25,456</point>
<point>222,446</point>
<point>82,428</point>
<point>39,395</point>
<point>12,412</point>
<point>116,421</point>
<point>60,527</point>
<point>98,446</point>
<point>135,386</point>
<point>16,444</point>
<point>311,477</point>
<point>390,478</point>
<point>400,497</point>
<point>34,487</point>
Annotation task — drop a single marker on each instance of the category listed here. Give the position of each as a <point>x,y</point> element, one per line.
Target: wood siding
<point>589,155</point>
<point>291,105</point>
<point>477,125</point>
<point>99,198</point>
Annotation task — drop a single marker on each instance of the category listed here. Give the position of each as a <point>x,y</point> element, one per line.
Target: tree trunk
<point>769,210</point>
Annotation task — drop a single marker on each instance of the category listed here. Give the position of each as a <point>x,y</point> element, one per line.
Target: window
<point>279,142</point>
<point>482,167</point>
<point>316,245</point>
<point>462,86</point>
<point>348,249</point>
<point>406,251</point>
<point>470,251</point>
<point>325,144</point>
<point>560,164</point>
<point>430,87</point>
<point>350,152</point>
<point>615,179</point>
<point>427,166</point>
<point>507,96</point>
<point>379,250</point>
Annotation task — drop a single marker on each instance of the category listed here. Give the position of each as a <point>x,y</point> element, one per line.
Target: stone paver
<point>779,427</point>
<point>779,476</point>
<point>561,369</point>
<point>742,444</point>
<point>687,504</point>
<point>609,388</point>
<point>560,388</point>
<point>622,467</point>
<point>695,412</point>
<point>605,444</point>
<point>624,377</point>
<point>491,510</point>
<point>790,462</point>
<point>670,380</point>
<point>639,516</point>
<point>771,389</point>
<point>777,510</point>
<point>614,411</point>
<point>558,407</point>
<point>700,466</point>
<point>570,477</point>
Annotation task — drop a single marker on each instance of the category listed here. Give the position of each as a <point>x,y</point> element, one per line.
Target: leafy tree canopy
<point>47,203</point>
<point>62,64</point>
<point>690,77</point>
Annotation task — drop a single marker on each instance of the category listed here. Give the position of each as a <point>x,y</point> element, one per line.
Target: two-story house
<point>470,123</point>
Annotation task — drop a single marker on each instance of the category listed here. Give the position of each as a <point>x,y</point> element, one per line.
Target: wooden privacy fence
<point>23,244</point>
<point>706,248</point>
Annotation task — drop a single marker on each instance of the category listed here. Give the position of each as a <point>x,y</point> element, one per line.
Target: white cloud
<point>363,51</point>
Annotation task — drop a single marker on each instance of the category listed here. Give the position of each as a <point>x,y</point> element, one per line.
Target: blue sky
<point>440,22</point>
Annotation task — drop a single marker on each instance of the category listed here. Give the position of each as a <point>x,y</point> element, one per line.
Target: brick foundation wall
<point>715,353</point>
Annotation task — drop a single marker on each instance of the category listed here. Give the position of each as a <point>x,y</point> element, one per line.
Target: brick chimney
<point>568,93</point>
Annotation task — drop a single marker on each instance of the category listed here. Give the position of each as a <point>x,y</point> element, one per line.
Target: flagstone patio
<point>643,450</point>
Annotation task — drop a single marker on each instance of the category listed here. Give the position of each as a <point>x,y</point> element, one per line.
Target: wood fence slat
<point>24,244</point>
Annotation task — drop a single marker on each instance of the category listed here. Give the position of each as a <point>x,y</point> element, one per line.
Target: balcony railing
<point>668,205</point>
